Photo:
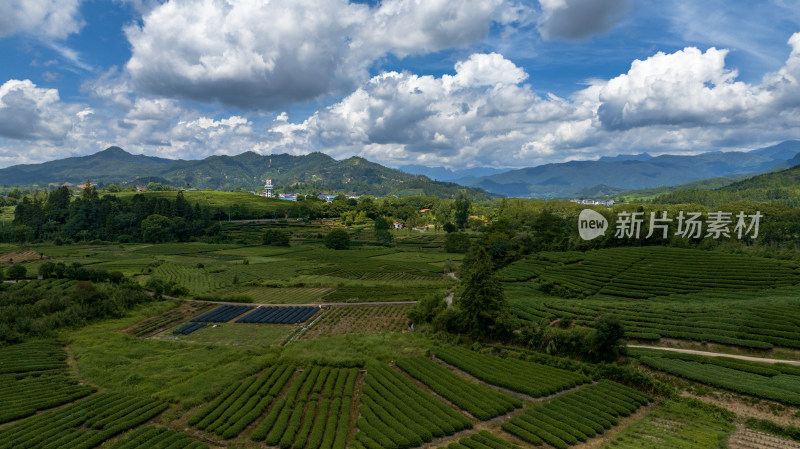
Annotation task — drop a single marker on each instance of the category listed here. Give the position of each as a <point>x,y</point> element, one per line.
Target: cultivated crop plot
<point>151,437</point>
<point>729,320</point>
<point>180,313</point>
<point>82,425</point>
<point>654,271</point>
<point>345,320</point>
<point>279,315</point>
<point>481,402</point>
<point>34,376</point>
<point>291,408</point>
<point>778,382</point>
<point>576,416</point>
<point>271,295</point>
<point>187,329</point>
<point>480,440</point>
<point>222,314</point>
<point>351,294</point>
<point>395,413</point>
<point>533,379</point>
<point>680,426</point>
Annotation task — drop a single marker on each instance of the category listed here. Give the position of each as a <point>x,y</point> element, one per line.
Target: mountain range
<point>612,175</point>
<point>309,173</point>
<point>609,176</point>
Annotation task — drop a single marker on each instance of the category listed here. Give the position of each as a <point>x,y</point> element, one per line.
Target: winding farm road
<point>716,354</point>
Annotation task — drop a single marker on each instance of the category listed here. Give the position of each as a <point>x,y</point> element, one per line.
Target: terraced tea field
<point>736,321</point>
<point>33,377</point>
<point>273,362</point>
<point>576,416</point>
<point>272,295</point>
<point>777,382</point>
<point>653,271</point>
<point>532,379</point>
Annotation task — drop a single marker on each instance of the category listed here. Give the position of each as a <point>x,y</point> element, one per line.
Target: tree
<point>337,239</point>
<point>157,229</point>
<point>449,227</point>
<point>462,210</point>
<point>46,269</point>
<point>456,242</point>
<point>382,234</point>
<point>17,272</point>
<point>427,308</point>
<point>609,338</point>
<point>181,207</point>
<point>275,237</point>
<point>481,300</point>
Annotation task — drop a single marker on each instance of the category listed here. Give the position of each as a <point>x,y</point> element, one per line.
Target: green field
<point>357,376</point>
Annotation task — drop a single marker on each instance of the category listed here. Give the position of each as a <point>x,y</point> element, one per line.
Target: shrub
<point>275,237</point>
<point>337,239</point>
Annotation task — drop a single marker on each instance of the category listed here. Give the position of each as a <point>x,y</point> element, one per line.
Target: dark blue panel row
<point>188,328</point>
<point>222,314</point>
<point>279,315</point>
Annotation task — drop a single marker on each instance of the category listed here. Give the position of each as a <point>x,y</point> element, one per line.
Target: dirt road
<point>717,354</point>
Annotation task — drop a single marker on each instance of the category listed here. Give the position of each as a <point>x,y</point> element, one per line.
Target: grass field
<point>170,370</point>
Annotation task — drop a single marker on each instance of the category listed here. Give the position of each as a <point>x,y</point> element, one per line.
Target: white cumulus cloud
<point>51,18</point>
<point>686,87</point>
<point>263,55</point>
<point>31,112</point>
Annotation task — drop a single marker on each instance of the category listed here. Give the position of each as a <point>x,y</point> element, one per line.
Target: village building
<point>267,193</point>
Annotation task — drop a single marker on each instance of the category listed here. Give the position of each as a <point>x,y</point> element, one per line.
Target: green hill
<point>782,187</point>
<point>312,173</point>
<point>703,184</point>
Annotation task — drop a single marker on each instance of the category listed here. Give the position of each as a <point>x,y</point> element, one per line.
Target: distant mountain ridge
<point>448,175</point>
<point>247,171</point>
<point>642,171</point>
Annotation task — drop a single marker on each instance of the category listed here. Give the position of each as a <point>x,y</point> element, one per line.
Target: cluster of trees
<point>40,312</point>
<point>56,216</point>
<point>481,311</point>
<point>60,270</point>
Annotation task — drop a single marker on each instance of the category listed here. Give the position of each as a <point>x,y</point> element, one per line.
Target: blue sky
<point>459,83</point>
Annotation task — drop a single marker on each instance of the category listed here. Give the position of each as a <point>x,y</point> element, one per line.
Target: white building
<point>267,189</point>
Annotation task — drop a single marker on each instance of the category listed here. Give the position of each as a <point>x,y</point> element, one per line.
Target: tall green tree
<point>481,300</point>
<point>462,210</point>
<point>610,334</point>
<point>157,229</point>
<point>382,234</point>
